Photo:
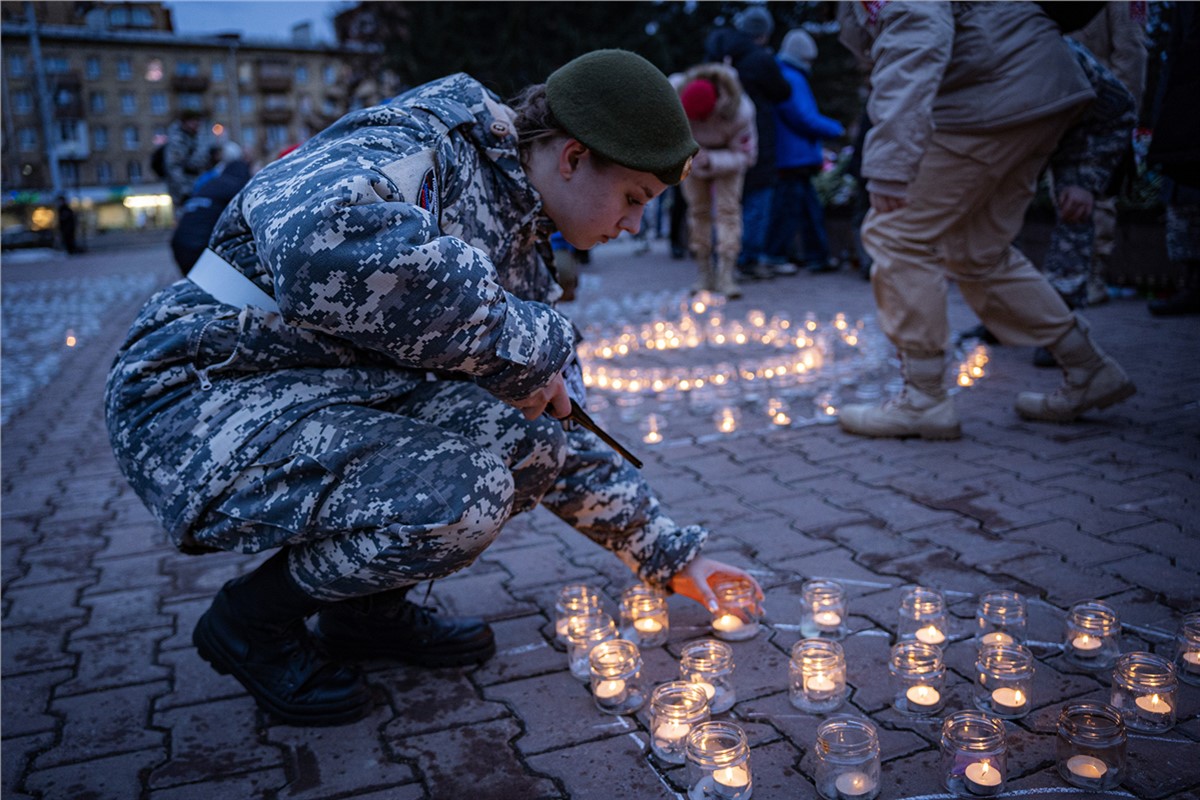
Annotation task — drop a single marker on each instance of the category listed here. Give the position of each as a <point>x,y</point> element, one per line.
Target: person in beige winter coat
<point>967,102</point>
<point>722,120</point>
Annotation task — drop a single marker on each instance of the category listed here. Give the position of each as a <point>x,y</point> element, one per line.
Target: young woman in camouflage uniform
<point>380,415</point>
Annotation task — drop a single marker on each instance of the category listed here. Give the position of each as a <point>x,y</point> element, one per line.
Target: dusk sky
<point>255,18</point>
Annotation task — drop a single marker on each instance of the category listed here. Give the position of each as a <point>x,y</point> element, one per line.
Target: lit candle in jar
<point>647,626</point>
<point>1192,657</point>
<point>853,784</point>
<point>1087,767</point>
<point>923,696</point>
<point>727,623</point>
<point>609,690</point>
<point>1086,645</point>
<point>1153,705</point>
<point>930,635</point>
<point>996,637</point>
<point>709,690</point>
<point>1008,700</point>
<point>819,684</point>
<point>730,781</point>
<point>670,732</point>
<point>827,620</point>
<point>981,775</point>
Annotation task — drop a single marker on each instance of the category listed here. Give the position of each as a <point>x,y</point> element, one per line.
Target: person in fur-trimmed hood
<point>722,120</point>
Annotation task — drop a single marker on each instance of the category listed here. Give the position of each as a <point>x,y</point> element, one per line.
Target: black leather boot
<point>255,632</point>
<point>388,625</point>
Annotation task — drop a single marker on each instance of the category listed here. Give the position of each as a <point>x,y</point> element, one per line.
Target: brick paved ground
<point>104,696</point>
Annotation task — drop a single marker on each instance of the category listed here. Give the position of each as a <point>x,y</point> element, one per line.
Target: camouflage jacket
<point>401,240</point>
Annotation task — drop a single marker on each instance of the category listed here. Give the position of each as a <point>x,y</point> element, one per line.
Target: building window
<point>104,173</point>
<point>306,104</point>
<point>302,74</point>
<point>131,137</point>
<point>187,69</point>
<point>141,17</point>
<point>128,103</point>
<point>27,139</point>
<point>221,103</point>
<point>218,71</point>
<point>328,108</point>
<point>246,104</point>
<point>249,136</point>
<point>134,169</point>
<point>191,100</point>
<point>97,103</point>
<point>93,68</point>
<point>100,137</point>
<point>245,73</point>
<point>57,65</point>
<point>331,75</point>
<point>118,17</point>
<point>277,137</point>
<point>271,101</point>
<point>159,103</point>
<point>23,102</point>
<point>16,66</point>
<point>69,171</point>
<point>154,70</point>
<point>125,69</point>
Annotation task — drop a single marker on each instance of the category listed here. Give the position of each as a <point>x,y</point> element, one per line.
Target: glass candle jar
<point>1005,679</point>
<point>1001,618</point>
<point>1145,691</point>
<point>583,633</point>
<point>709,664</point>
<point>644,618</point>
<point>573,600</point>
<point>974,754</point>
<point>918,677</point>
<point>923,616</point>
<point>738,611</point>
<point>616,671</point>
<point>817,675</point>
<point>675,708</point>
<point>1187,649</point>
<point>847,755</point>
<point>823,610</point>
<point>1091,745</point>
<point>1092,639</point>
<point>718,758</point>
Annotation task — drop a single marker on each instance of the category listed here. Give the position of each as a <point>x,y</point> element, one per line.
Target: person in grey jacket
<point>968,101</point>
<point>385,399</point>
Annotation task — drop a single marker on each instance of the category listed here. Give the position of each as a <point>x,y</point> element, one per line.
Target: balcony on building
<point>189,83</point>
<point>274,76</point>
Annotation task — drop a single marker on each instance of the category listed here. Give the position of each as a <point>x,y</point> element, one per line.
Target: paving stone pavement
<point>104,697</point>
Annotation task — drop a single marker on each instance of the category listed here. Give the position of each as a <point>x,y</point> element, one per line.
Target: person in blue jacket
<point>799,129</point>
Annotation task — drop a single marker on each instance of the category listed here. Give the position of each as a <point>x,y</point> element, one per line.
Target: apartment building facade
<point>89,90</point>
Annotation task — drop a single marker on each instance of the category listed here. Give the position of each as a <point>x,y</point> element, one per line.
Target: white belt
<point>219,278</point>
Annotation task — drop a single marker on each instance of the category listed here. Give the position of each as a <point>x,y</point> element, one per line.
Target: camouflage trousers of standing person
<point>1078,256</point>
<point>373,498</point>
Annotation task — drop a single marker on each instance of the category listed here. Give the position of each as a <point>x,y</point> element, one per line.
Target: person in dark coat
<point>1175,149</point>
<point>66,225</point>
<point>200,213</point>
<point>744,48</point>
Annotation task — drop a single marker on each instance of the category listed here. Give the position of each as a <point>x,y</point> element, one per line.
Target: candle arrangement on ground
<point>1187,649</point>
<point>753,373</point>
<point>1091,736</point>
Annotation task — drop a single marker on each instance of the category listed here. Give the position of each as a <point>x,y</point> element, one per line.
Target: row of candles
<point>793,372</point>
<point>1091,736</point>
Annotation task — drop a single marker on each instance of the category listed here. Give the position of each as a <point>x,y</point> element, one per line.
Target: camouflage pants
<point>370,498</point>
<point>378,498</point>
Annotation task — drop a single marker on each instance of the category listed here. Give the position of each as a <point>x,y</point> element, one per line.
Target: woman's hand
<point>1075,204</point>
<point>697,579</point>
<point>552,396</point>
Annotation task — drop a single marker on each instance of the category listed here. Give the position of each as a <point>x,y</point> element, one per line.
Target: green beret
<point>623,107</point>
